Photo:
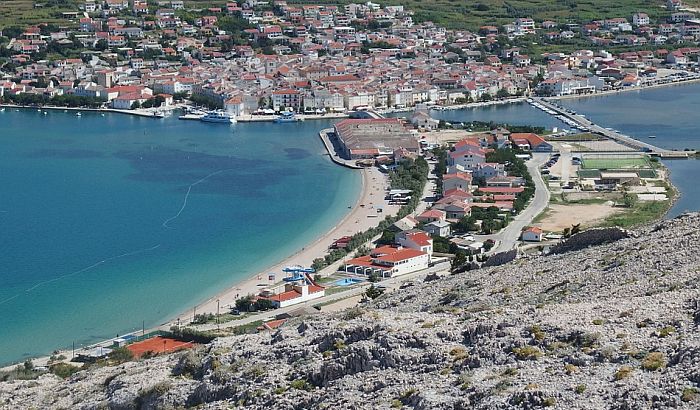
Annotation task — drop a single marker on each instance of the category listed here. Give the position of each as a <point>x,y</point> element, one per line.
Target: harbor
<point>582,123</point>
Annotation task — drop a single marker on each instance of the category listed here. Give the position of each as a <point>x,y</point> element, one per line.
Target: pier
<point>585,124</point>
<point>325,135</point>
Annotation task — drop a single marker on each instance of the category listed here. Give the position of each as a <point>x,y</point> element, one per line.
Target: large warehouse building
<point>370,138</point>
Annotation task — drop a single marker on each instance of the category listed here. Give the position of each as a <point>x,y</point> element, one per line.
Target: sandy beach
<point>360,218</point>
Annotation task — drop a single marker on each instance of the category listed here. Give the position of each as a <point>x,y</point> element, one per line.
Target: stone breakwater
<point>612,326</point>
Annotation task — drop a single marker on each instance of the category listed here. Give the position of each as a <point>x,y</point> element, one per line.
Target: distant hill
<point>473,14</point>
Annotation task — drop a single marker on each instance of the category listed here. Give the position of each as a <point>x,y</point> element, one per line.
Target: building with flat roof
<point>370,138</point>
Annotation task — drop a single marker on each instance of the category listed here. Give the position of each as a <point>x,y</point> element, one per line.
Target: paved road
<point>391,283</point>
<point>508,237</point>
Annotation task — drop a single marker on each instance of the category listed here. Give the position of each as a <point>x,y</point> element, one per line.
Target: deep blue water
<point>98,232</point>
<point>672,114</point>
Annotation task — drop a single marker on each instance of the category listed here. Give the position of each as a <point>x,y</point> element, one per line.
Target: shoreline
<point>373,182</point>
<point>625,90</point>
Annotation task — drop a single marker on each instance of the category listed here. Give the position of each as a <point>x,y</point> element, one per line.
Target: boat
<point>218,117</point>
<point>158,114</point>
<point>78,114</point>
<point>287,116</point>
<point>46,112</point>
<point>2,110</point>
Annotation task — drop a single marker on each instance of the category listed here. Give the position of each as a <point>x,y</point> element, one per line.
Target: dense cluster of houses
<point>321,57</point>
<point>470,183</point>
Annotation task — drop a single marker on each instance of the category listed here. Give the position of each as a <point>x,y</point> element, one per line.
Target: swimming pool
<point>347,281</point>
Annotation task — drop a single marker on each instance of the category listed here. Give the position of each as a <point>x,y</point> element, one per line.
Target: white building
<point>415,239</point>
<point>532,234</point>
<point>640,19</point>
<point>294,294</point>
<point>389,261</point>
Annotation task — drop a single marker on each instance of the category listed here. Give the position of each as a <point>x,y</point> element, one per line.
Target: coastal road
<point>391,283</point>
<point>508,237</point>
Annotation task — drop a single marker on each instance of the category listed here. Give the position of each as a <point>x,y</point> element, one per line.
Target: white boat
<point>2,110</point>
<point>221,117</point>
<point>78,114</point>
<point>287,116</point>
<point>46,112</point>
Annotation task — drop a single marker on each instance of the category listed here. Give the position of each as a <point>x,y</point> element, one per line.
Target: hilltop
<point>472,15</point>
<point>612,326</point>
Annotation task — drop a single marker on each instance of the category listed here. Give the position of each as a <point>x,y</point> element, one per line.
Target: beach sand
<point>374,184</point>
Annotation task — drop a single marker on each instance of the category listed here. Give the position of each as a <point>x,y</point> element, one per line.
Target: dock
<point>325,136</point>
<point>584,123</point>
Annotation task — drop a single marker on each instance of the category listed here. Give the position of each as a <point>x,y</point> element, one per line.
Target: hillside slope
<point>613,326</point>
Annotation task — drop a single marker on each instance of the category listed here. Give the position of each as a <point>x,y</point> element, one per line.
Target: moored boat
<point>219,116</point>
<point>287,116</point>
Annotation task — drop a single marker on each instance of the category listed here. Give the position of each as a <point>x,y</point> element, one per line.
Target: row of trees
<point>67,100</point>
<point>409,174</point>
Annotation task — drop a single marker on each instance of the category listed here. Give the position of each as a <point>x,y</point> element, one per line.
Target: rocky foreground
<point>613,326</point>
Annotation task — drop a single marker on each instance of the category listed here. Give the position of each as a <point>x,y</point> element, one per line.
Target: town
<point>258,57</point>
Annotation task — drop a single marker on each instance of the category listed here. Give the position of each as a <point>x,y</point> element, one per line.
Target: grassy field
<point>615,163</point>
<point>22,12</point>
<point>471,15</point>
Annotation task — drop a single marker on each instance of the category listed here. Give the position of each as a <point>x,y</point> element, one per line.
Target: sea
<point>670,115</point>
<point>111,223</point>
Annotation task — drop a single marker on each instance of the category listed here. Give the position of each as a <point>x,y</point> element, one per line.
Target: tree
<point>121,355</point>
<point>502,93</point>
<point>575,229</point>
<point>374,292</point>
<point>101,44</point>
<point>629,199</point>
<point>263,304</point>
<point>136,105</point>
<point>243,304</point>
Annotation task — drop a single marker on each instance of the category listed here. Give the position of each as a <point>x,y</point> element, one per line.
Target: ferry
<point>287,116</point>
<point>218,117</point>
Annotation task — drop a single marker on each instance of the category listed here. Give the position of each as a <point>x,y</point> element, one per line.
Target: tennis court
<point>158,345</point>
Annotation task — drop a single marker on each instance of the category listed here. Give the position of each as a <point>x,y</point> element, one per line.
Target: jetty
<point>326,135</point>
<point>584,123</point>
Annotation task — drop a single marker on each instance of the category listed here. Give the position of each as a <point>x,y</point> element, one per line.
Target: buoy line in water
<point>187,195</point>
<point>94,265</point>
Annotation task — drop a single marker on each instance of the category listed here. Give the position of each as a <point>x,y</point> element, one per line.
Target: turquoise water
<point>106,222</point>
<point>347,281</point>
<point>670,114</point>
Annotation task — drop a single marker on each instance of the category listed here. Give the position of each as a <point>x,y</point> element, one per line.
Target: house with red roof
<point>460,180</point>
<point>532,234</point>
<point>415,239</point>
<point>298,290</point>
<point>529,141</point>
<point>431,215</point>
<point>388,262</point>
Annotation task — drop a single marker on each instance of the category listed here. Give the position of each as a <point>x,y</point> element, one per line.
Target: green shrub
<point>63,370</point>
<point>527,353</point>
<point>654,361</point>
<point>580,389</point>
<point>301,384</point>
<point>690,394</point>
<point>623,372</point>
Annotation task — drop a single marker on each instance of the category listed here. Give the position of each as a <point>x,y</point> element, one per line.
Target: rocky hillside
<point>613,326</point>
